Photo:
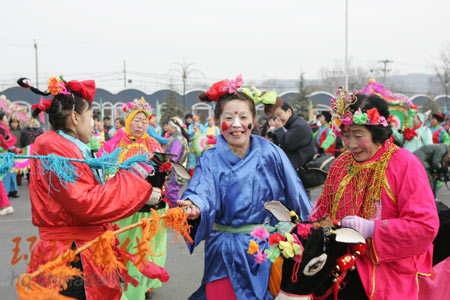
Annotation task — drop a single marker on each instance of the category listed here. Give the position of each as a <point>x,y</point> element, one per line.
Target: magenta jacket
<point>406,223</point>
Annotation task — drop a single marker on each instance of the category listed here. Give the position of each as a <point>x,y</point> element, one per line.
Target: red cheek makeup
<point>225,126</point>
<point>363,143</point>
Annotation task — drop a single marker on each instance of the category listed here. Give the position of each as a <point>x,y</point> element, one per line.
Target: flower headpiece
<point>138,105</point>
<point>224,87</point>
<point>15,111</point>
<point>86,88</point>
<point>399,104</point>
<point>343,114</point>
<point>57,85</point>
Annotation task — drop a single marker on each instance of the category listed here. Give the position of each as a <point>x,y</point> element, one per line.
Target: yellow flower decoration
<point>253,247</point>
<point>290,247</point>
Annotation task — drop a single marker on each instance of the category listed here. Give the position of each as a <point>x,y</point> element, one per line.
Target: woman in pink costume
<point>382,191</point>
<point>135,141</point>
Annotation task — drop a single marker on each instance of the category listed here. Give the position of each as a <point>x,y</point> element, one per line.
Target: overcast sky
<point>260,39</point>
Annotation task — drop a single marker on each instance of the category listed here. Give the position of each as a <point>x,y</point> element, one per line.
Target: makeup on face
<point>225,126</point>
<point>139,124</point>
<point>358,140</point>
<point>236,122</point>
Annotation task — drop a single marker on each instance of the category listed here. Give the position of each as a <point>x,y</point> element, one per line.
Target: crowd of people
<point>382,183</point>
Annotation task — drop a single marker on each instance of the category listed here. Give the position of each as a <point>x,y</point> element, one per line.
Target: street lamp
<point>346,46</point>
<point>36,63</point>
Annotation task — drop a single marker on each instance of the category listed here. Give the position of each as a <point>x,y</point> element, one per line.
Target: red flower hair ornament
<point>224,87</point>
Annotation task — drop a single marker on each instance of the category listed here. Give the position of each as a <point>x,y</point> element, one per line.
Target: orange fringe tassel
<point>102,255</point>
<point>55,281</point>
<point>178,221</point>
<point>26,288</point>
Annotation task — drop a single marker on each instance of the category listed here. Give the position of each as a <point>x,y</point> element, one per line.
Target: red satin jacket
<point>79,212</point>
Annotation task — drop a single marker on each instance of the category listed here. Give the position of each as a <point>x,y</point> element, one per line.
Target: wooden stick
<point>90,243</point>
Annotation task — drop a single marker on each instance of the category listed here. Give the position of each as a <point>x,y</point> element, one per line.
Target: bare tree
<point>442,68</point>
<point>185,69</point>
<point>429,104</point>
<point>333,78</point>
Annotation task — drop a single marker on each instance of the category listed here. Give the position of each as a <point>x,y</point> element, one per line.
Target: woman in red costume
<point>69,215</point>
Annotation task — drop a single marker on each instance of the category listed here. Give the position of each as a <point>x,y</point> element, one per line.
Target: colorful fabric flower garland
<point>285,243</point>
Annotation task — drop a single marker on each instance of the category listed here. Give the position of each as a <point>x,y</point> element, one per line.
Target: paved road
<point>185,270</point>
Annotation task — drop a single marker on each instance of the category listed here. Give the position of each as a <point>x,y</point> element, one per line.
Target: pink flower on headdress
<point>347,121</point>
<point>382,121</point>
<point>64,89</point>
<point>337,132</point>
<point>233,85</point>
<point>260,233</point>
<point>260,257</point>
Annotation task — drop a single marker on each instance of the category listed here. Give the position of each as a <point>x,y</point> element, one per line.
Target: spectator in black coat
<point>107,127</point>
<point>293,134</point>
<point>30,133</point>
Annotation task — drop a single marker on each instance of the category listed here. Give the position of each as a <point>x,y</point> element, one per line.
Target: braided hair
<point>61,107</point>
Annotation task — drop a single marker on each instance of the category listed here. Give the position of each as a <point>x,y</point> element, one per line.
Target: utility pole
<point>446,92</point>
<point>346,46</point>
<point>124,74</point>
<point>184,89</point>
<point>384,69</point>
<point>36,63</point>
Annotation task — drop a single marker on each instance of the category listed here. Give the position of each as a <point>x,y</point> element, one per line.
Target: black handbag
<point>314,173</point>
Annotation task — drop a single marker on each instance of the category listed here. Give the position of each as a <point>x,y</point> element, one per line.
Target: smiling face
<point>358,140</point>
<point>282,115</point>
<point>139,124</point>
<point>235,120</point>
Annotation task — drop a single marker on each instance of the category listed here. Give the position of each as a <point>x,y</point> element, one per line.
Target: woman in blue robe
<point>225,199</point>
